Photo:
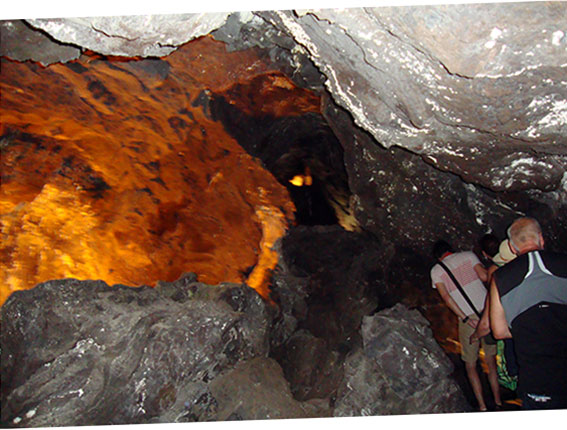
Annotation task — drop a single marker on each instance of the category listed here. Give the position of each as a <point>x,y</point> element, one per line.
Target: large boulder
<point>399,370</point>
<point>83,353</point>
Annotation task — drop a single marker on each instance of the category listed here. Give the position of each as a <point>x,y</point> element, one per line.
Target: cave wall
<point>474,90</point>
<point>451,120</point>
<point>112,170</point>
<point>456,83</point>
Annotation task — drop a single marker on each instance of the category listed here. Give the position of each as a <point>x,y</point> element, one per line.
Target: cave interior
<point>237,158</point>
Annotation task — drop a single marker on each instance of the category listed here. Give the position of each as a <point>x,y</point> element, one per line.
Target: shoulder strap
<point>459,287</point>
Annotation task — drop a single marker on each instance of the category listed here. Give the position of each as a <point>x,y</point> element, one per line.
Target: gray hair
<point>522,231</point>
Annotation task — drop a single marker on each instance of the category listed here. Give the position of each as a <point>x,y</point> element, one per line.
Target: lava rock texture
<point>147,36</point>
<point>83,353</point>
<point>471,90</point>
<point>476,90</point>
<point>399,370</point>
<point>452,121</point>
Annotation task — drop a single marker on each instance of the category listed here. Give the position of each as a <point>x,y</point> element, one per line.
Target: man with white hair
<point>528,301</point>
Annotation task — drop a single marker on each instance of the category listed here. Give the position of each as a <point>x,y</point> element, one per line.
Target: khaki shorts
<point>469,352</point>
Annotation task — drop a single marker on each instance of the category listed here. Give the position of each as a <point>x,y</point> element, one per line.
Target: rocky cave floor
<point>335,342</point>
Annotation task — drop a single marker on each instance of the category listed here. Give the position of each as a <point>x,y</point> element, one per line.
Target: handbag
<point>489,339</point>
<point>504,377</point>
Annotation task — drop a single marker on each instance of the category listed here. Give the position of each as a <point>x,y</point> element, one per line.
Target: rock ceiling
<point>478,90</point>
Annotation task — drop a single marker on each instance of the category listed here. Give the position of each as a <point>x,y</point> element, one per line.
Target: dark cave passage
<point>296,146</point>
<point>312,205</point>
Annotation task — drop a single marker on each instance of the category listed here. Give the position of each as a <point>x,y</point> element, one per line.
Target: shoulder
<point>470,256</point>
<point>435,270</point>
<point>555,262</point>
<point>511,274</point>
<point>518,264</point>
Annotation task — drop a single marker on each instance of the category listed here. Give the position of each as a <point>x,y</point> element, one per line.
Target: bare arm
<point>483,327</point>
<point>490,273</point>
<point>498,321</point>
<point>452,304</point>
<point>481,272</point>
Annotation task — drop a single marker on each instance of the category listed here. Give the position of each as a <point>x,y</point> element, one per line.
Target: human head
<point>525,235</point>
<point>489,244</point>
<point>441,248</point>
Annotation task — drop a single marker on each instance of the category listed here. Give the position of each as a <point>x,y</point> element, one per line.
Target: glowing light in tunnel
<point>302,180</point>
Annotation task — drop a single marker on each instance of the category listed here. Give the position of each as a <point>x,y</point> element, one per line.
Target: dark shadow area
<point>290,147</point>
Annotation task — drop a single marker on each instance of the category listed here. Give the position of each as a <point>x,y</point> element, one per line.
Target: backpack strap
<point>458,285</point>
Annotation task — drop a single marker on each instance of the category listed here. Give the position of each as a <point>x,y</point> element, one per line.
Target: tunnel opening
<point>299,149</point>
<point>312,207</point>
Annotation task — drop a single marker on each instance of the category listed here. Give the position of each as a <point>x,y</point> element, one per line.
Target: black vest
<point>533,292</point>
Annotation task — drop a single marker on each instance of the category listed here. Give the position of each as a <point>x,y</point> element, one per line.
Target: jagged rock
<point>398,197</point>
<point>256,390</point>
<point>83,353</point>
<point>408,204</point>
<point>475,102</point>
<point>148,36</point>
<point>399,370</point>
<point>312,369</point>
<point>21,42</point>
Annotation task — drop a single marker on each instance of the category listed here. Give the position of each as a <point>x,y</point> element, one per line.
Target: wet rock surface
<point>171,189</point>
<point>83,353</point>
<point>475,102</point>
<point>400,369</point>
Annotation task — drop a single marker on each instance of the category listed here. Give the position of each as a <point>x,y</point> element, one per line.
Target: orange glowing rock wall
<point>113,171</point>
